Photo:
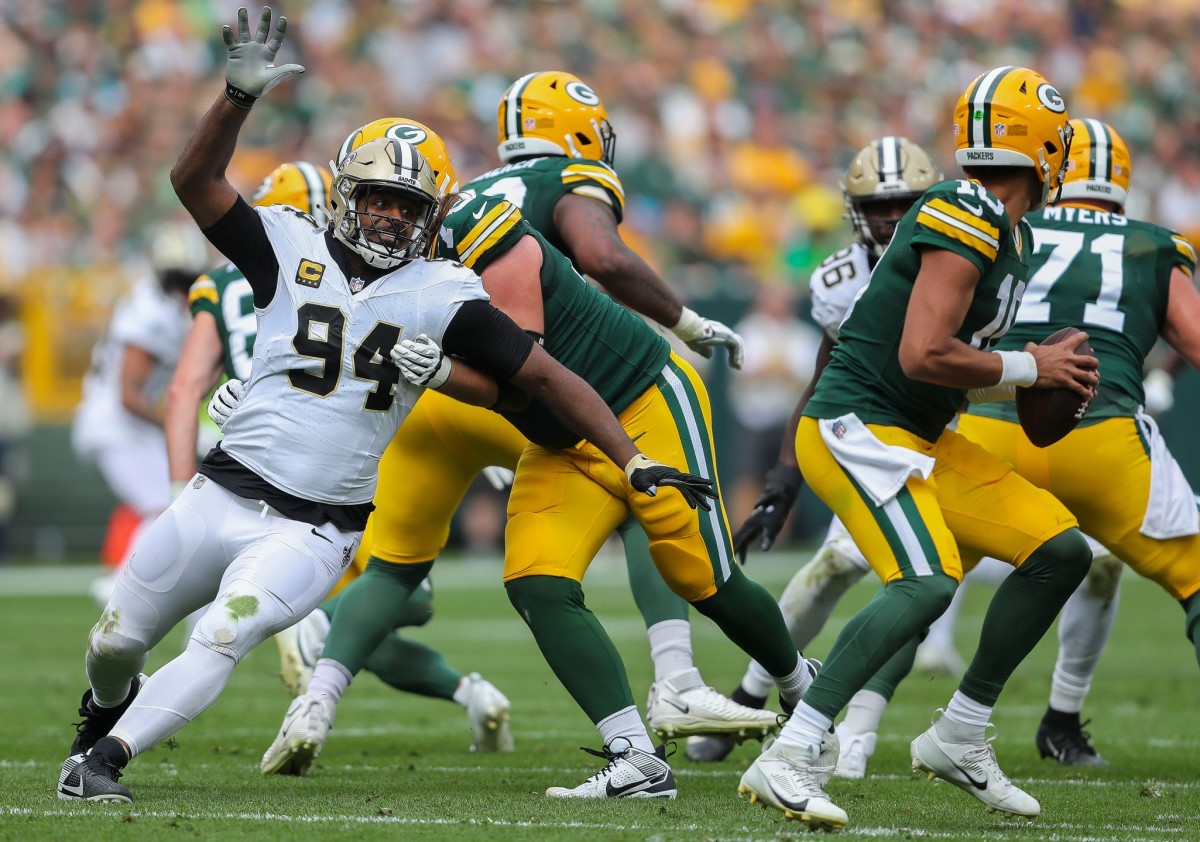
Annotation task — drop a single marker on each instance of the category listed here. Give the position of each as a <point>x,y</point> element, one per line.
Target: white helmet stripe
<point>1101,151</point>
<point>314,184</point>
<point>889,159</point>
<point>406,161</point>
<point>512,106</point>
<point>979,132</point>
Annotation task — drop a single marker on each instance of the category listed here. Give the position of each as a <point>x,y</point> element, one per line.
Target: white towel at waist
<point>1171,510</point>
<point>881,469</point>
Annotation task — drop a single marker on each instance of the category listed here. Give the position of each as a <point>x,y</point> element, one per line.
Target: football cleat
<point>854,752</point>
<point>682,705</point>
<point>1068,743</point>
<point>488,709</point>
<point>300,647</point>
<point>973,768</point>
<point>630,773</point>
<point>714,749</point>
<point>938,660</point>
<point>97,722</point>
<point>305,728</point>
<point>91,777</point>
<point>789,778</point>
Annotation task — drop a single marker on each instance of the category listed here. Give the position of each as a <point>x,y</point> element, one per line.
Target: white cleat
<point>630,773</point>
<point>938,660</point>
<point>300,646</point>
<point>488,709</point>
<point>973,768</point>
<point>682,705</point>
<point>789,779</point>
<point>855,751</point>
<point>305,728</point>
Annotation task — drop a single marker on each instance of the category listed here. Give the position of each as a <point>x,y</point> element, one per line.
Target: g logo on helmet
<point>1048,96</point>
<point>581,93</point>
<point>408,133</point>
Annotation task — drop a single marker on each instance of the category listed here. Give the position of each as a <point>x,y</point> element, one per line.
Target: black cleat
<point>97,722</point>
<point>1062,737</point>
<point>92,777</point>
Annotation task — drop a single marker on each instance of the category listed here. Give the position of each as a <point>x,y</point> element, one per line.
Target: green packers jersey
<point>617,353</point>
<point>1109,276</point>
<point>536,185</point>
<point>226,294</point>
<point>864,375</point>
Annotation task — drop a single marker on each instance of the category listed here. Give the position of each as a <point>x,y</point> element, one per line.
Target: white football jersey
<point>147,318</point>
<point>324,399</point>
<point>836,283</point>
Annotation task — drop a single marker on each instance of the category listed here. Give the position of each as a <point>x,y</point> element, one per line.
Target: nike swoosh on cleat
<point>979,785</point>
<point>617,791</point>
<point>684,708</point>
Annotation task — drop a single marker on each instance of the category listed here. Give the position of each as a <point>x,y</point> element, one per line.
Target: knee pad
<point>1104,576</point>
<point>242,617</point>
<point>108,640</point>
<point>837,559</point>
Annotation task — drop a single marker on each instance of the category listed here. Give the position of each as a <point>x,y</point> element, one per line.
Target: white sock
<point>964,721</point>
<point>795,684</point>
<point>864,712</point>
<point>670,647</point>
<point>757,681</point>
<point>688,679</point>
<point>812,594</point>
<point>626,724</point>
<point>173,697</point>
<point>329,679</point>
<point>805,727</point>
<point>1084,627</point>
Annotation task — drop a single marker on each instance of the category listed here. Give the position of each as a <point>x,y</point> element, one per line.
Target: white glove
<point>421,361</point>
<point>500,478</point>
<point>1160,391</point>
<point>225,400</point>
<point>248,68</point>
<point>702,335</point>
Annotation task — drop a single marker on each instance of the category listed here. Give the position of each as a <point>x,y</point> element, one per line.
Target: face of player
<point>388,217</point>
<point>882,216</point>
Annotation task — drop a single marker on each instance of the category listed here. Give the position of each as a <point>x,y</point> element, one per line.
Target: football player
<point>873,444</point>
<point>118,427</point>
<point>277,509</point>
<point>221,341</point>
<point>1127,283</point>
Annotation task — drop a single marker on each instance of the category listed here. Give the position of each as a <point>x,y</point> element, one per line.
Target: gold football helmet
<point>427,141</point>
<point>1098,166</point>
<point>300,184</point>
<point>1011,116</point>
<point>554,113</point>
<point>382,171</point>
<point>882,182</point>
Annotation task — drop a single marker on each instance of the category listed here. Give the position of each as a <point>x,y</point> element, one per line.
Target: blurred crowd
<point>734,117</point>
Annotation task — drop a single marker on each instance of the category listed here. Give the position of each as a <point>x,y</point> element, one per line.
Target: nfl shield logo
<point>529,123</point>
<point>839,429</point>
<point>998,129</point>
<point>357,284</point>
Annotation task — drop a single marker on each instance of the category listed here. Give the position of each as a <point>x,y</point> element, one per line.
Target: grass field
<point>398,767</point>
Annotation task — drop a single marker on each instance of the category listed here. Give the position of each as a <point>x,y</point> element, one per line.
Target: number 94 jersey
<point>1107,275</point>
<point>324,398</point>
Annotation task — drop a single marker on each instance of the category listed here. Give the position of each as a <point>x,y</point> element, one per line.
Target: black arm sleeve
<point>487,339</point>
<point>241,237</point>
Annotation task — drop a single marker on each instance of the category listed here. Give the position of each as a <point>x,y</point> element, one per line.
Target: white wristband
<point>1020,368</point>
<point>690,325</point>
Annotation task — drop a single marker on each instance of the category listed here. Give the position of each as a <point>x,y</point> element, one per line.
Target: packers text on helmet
<point>883,180</point>
<point>554,113</point>
<point>1099,166</point>
<point>372,182</point>
<point>427,141</point>
<point>1013,117</point>
<point>300,184</point>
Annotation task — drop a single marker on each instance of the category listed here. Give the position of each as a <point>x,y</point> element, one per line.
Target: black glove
<point>645,475</point>
<point>771,510</point>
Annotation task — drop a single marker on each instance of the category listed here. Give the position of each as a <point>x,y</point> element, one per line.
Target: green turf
<point>398,766</point>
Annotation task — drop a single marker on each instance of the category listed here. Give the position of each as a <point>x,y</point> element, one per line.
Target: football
<point>1046,415</point>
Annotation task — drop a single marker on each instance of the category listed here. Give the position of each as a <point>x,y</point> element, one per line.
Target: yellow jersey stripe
<point>480,242</point>
<point>1184,247</point>
<point>480,228</point>
<point>203,288</point>
<point>962,215</point>
<point>953,229</point>
<point>594,192</point>
<point>572,172</point>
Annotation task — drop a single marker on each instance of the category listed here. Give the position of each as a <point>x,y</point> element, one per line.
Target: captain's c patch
<point>309,273</point>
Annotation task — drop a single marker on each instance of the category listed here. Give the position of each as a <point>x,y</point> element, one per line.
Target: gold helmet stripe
<point>979,121</point>
<point>512,105</point>
<point>314,184</point>
<point>1100,161</point>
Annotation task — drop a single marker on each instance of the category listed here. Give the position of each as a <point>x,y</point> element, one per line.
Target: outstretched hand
<point>249,68</point>
<point>646,475</point>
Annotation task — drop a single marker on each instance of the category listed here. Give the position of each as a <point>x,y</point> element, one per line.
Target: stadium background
<point>735,120</point>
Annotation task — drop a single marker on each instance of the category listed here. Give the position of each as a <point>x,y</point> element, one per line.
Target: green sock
<point>654,598</point>
<point>413,667</point>
<point>889,622</point>
<point>1192,606</point>
<point>370,608</point>
<point>573,643</point>
<point>750,618</point>
<point>1023,608</point>
<point>888,677</point>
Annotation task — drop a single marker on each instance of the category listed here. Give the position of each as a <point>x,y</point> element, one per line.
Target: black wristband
<point>238,97</point>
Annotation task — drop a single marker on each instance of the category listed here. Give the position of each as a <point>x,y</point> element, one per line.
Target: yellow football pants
<point>565,503</point>
<point>1102,474</point>
<point>972,502</point>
